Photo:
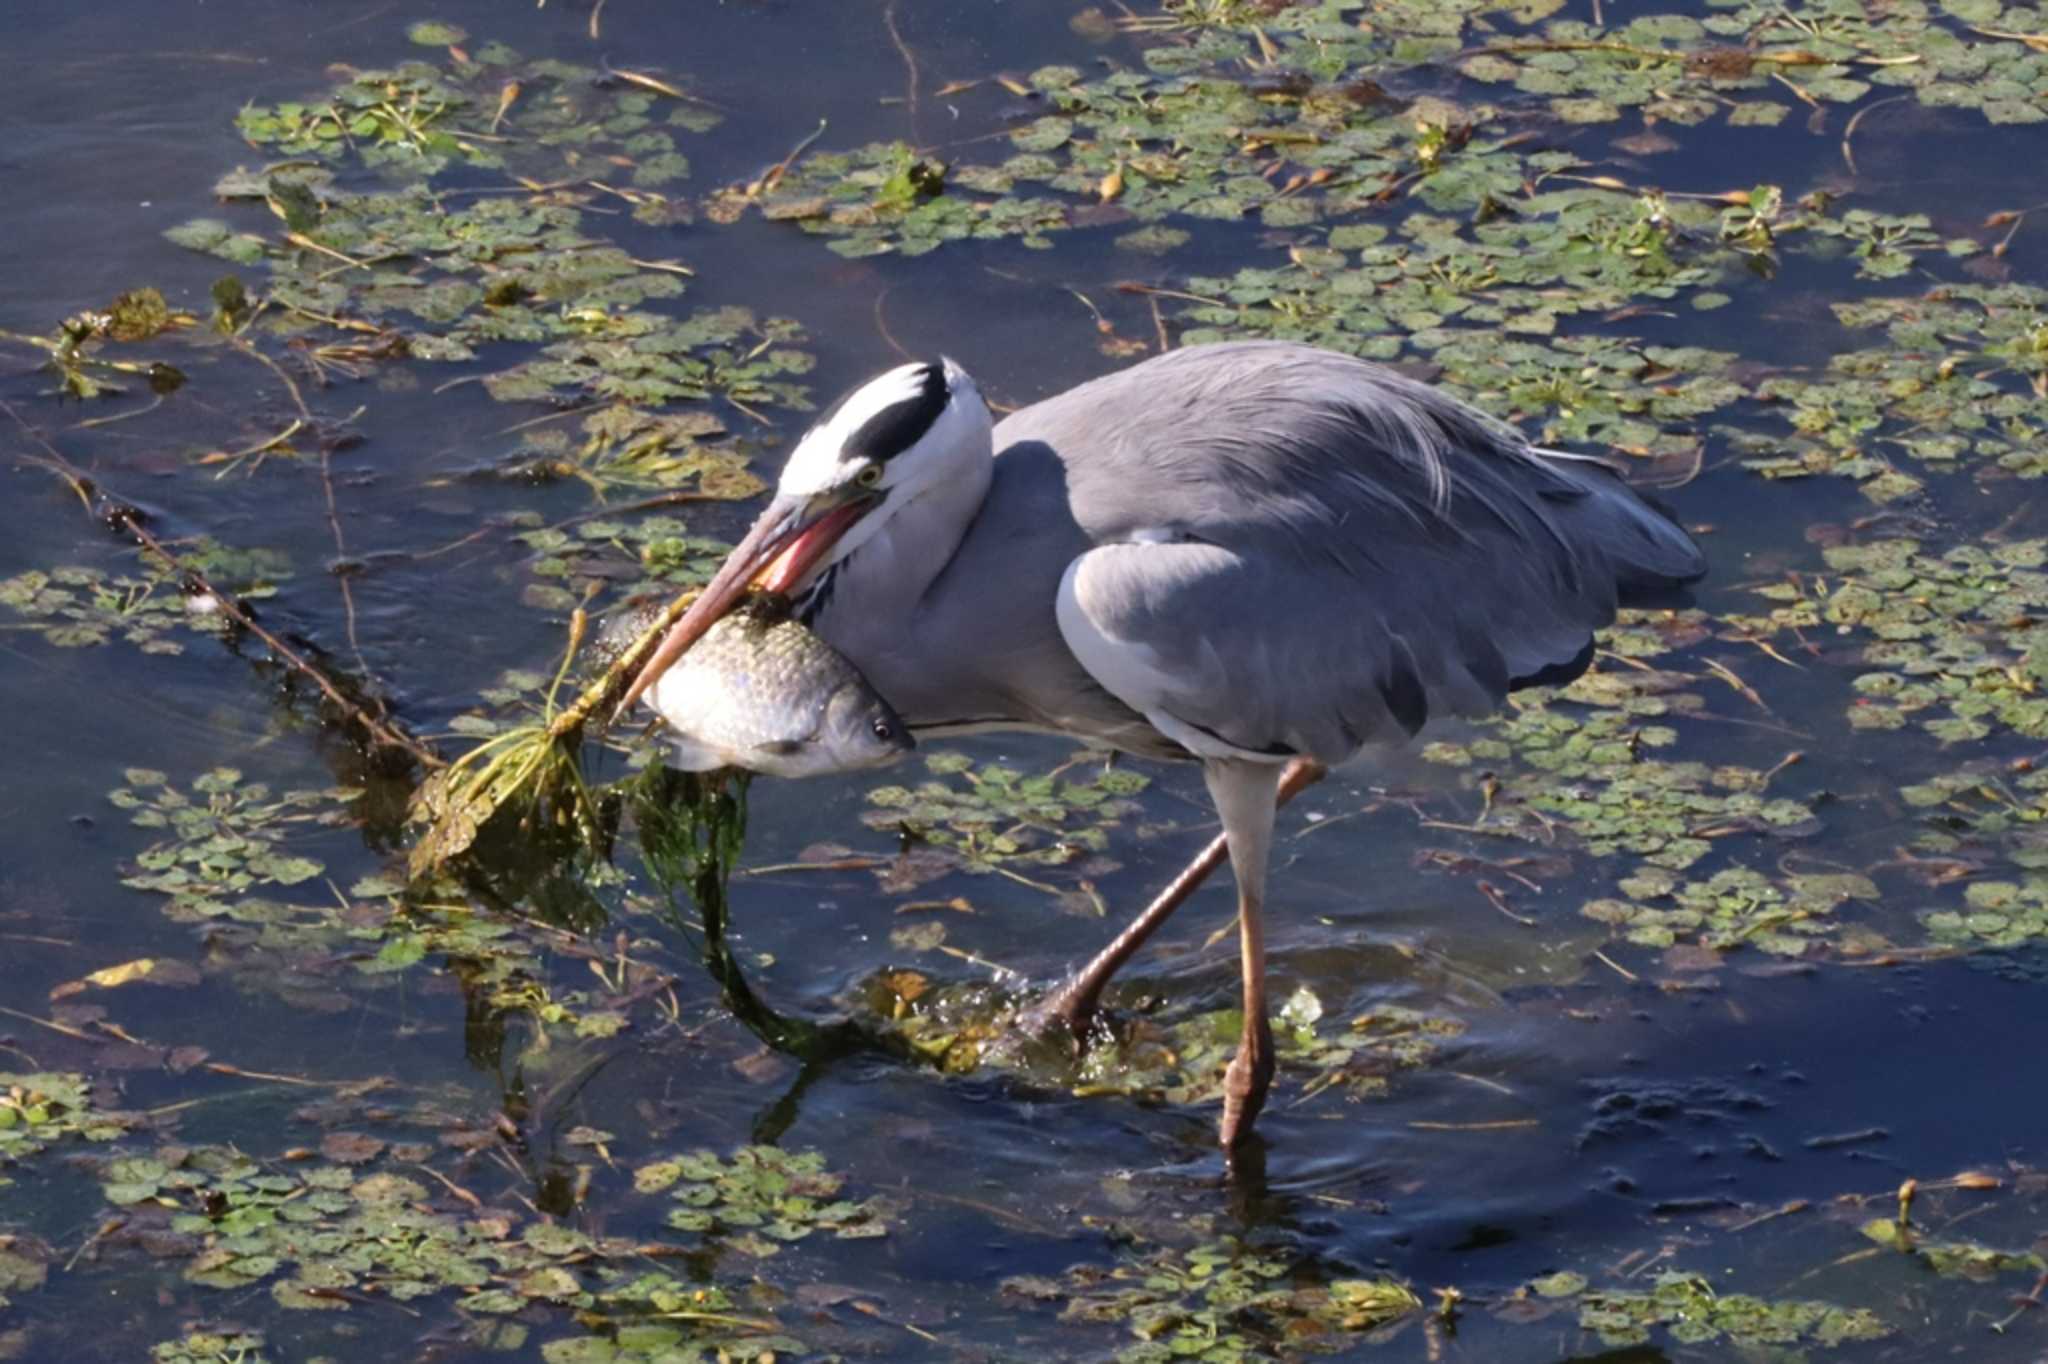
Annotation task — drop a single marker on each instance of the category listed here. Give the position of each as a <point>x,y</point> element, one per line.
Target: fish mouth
<point>785,543</point>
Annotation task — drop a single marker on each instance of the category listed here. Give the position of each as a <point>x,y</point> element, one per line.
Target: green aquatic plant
<point>1677,68</point>
<point>650,358</point>
<point>707,1331</point>
<point>1960,384</point>
<point>72,606</point>
<point>1995,914</point>
<point>38,1111</point>
<point>1368,289</point>
<point>1224,1301</point>
<point>328,1237</point>
<point>1952,1258</point>
<point>571,565</point>
<point>1688,1309</point>
<point>22,1270</point>
<point>1553,768</point>
<point>689,455</point>
<point>226,836</point>
<point>1187,137</point>
<point>759,1197</point>
<point>1174,1059</point>
<point>531,774</point>
<point>1734,907</point>
<point>228,855</point>
<point>198,1344</point>
<point>490,108</point>
<point>437,280</point>
<point>1951,641</point>
<point>884,197</point>
<point>1984,829</point>
<point>79,352</point>
<point>991,815</point>
<point>1258,111</point>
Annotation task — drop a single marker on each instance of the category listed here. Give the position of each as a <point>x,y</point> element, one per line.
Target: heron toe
<point>1064,1013</point>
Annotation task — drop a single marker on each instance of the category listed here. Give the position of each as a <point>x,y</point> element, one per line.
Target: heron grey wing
<point>1301,550</point>
<point>1230,655</point>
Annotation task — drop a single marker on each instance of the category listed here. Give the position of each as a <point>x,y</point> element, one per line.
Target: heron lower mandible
<point>1261,556</point>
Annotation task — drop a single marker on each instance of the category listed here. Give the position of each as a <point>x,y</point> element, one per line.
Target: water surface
<point>1587,1104</point>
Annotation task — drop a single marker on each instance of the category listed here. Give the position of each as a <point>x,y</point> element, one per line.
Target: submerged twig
<point>1848,152</point>
<point>126,518</point>
<point>909,65</point>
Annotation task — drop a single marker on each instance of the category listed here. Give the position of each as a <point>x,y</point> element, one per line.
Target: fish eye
<point>883,729</point>
<point>870,476</point>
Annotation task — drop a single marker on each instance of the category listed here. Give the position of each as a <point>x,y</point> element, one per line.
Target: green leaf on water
<point>431,33</point>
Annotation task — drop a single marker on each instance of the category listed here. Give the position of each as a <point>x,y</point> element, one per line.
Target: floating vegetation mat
<point>1688,1309</point>
<point>39,1111</point>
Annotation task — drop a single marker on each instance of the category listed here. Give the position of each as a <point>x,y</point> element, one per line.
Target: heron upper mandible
<point>1262,556</point>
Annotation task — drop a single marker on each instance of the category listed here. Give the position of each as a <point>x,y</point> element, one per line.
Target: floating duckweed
<point>442,279</point>
<point>1680,69</point>
<point>1686,1307</point>
<point>649,358</point>
<point>1562,252</point>
<point>1186,137</point>
<point>204,1345</point>
<point>571,564</point>
<point>38,1111</point>
<point>1953,1259</point>
<point>886,197</point>
<point>227,851</point>
<point>227,837</point>
<point>761,1196</point>
<point>73,607</point>
<point>1952,639</point>
<point>326,1237</point>
<point>1958,387</point>
<point>1223,1301</point>
<point>994,815</point>
<point>687,452</point>
<point>1735,907</point>
<point>545,119</point>
<point>504,270</point>
<point>1592,774</point>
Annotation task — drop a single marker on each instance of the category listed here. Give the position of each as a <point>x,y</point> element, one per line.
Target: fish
<point>760,691</point>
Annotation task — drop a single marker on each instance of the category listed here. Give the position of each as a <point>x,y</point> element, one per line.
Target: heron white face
<point>890,439</point>
<point>876,451</point>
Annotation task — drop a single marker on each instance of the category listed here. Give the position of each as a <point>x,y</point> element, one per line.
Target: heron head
<point>876,449</point>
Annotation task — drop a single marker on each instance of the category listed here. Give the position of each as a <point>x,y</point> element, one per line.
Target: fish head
<point>859,730</point>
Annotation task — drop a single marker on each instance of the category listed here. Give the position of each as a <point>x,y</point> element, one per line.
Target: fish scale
<point>760,691</point>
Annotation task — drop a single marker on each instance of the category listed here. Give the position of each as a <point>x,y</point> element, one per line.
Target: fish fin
<point>687,755</point>
<point>781,748</point>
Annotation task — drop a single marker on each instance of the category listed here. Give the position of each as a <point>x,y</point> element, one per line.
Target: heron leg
<point>1074,1004</point>
<point>1246,795</point>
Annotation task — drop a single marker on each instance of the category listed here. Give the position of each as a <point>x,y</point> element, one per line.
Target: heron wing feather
<point>1300,552</point>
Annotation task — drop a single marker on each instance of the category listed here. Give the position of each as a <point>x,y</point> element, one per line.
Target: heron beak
<point>785,543</point>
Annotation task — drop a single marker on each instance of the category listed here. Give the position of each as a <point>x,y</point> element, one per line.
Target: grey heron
<point>1265,557</point>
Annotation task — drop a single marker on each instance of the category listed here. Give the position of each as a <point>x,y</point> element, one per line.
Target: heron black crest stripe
<point>901,424</point>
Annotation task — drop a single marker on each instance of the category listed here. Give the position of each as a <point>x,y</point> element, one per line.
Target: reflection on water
<point>1486,1090</point>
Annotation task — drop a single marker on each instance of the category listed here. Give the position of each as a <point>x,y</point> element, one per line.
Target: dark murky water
<point>1610,1115</point>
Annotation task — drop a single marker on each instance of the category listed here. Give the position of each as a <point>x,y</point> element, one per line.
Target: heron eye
<point>869,477</point>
